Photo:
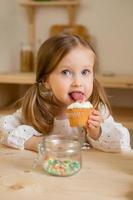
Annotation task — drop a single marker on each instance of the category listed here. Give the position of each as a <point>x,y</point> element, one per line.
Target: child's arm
<point>113,137</point>
<point>15,134</point>
<point>32,143</point>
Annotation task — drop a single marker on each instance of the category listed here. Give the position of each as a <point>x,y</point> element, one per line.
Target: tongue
<point>77,96</point>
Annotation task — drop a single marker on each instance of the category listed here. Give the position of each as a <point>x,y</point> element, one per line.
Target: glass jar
<point>60,156</point>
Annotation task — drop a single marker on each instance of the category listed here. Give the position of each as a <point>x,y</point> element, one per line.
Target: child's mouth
<point>76,96</point>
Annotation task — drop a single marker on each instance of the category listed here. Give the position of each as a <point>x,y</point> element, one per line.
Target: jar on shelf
<point>26,58</point>
<point>59,155</point>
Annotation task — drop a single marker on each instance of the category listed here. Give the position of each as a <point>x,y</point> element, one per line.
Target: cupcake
<point>78,113</point>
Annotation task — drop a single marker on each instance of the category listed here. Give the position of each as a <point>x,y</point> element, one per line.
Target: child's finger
<point>95,118</point>
<point>95,112</point>
<point>95,124</point>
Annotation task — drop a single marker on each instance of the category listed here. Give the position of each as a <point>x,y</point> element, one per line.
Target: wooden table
<point>104,176</point>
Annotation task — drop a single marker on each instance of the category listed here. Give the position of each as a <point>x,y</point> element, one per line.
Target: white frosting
<point>85,104</point>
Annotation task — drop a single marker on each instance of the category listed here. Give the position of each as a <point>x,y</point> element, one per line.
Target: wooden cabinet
<point>122,114</point>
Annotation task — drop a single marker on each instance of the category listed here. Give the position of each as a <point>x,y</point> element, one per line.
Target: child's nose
<point>76,82</point>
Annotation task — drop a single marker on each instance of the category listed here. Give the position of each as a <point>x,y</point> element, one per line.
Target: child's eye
<point>66,72</point>
<point>85,72</point>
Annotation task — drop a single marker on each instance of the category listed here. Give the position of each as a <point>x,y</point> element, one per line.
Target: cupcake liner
<point>78,117</point>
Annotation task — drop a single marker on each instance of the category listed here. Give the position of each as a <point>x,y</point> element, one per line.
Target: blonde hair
<point>39,106</point>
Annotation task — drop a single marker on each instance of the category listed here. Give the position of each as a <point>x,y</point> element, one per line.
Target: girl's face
<point>72,80</point>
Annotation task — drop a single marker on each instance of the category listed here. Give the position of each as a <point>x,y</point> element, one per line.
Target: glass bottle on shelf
<point>26,58</point>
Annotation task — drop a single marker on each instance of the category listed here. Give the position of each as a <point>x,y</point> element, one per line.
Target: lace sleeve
<point>15,134</point>
<point>114,138</point>
<point>10,122</point>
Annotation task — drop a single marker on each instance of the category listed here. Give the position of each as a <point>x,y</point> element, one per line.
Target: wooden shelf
<point>116,81</point>
<point>17,78</point>
<point>49,3</point>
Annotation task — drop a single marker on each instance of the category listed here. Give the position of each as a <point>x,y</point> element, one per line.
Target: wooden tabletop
<point>104,176</point>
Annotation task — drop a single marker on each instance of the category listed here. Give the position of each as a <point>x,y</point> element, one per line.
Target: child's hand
<point>94,125</point>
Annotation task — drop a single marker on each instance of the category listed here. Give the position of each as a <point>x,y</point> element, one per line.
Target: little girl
<point>65,68</point>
